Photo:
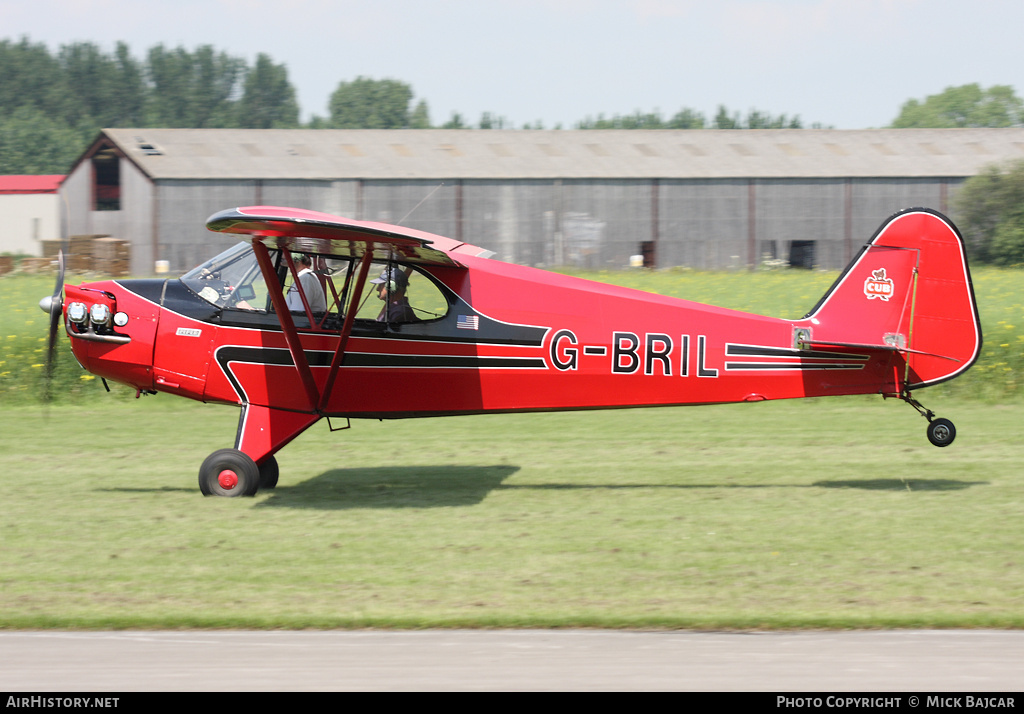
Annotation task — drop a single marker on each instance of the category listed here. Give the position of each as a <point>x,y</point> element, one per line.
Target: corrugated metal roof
<point>15,184</point>
<point>522,154</point>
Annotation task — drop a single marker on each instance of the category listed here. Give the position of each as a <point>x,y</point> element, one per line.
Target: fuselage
<point>513,339</point>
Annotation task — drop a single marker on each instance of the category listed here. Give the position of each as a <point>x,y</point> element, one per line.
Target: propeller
<point>55,306</point>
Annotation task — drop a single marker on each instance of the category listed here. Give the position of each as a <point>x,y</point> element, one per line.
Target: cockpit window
<point>393,293</point>
<point>232,280</point>
<point>399,294</point>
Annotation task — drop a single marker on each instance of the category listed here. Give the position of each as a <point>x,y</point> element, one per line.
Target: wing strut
<point>291,335</point>
<point>346,328</point>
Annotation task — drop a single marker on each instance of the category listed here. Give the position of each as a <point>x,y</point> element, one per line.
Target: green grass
<point>818,513</point>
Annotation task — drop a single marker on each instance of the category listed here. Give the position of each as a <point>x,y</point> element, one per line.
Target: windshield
<point>231,279</point>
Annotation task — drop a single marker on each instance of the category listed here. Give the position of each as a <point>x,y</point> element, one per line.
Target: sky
<point>847,64</point>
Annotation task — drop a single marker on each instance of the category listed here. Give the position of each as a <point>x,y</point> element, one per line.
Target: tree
<point>686,119</point>
<point>129,92</point>
<point>107,90</point>
<point>724,121</point>
<point>420,118</point>
<point>193,89</point>
<point>33,143</point>
<point>269,99</point>
<point>755,120</point>
<point>965,106</point>
<point>990,212</point>
<point>490,121</point>
<point>456,122</point>
<point>759,120</point>
<point>366,103</point>
<point>31,77</point>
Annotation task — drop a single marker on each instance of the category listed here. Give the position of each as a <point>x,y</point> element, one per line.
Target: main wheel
<point>268,473</point>
<point>229,473</point>
<point>941,432</point>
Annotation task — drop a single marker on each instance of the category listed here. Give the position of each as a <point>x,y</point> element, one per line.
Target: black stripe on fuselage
<point>280,357</point>
<point>732,350</point>
<point>322,358</point>
<point>807,360</point>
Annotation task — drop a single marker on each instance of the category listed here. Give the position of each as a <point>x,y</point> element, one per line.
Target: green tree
<point>686,119</point>
<point>636,120</point>
<point>724,121</point>
<point>366,103</point>
<point>761,120</point>
<point>1008,242</point>
<point>33,143</point>
<point>129,94</point>
<point>108,90</point>
<point>965,106</point>
<point>491,121</point>
<point>456,122</point>
<point>269,99</point>
<point>990,212</point>
<point>31,77</point>
<point>193,89</point>
<point>90,73</point>
<point>420,118</point>
<point>755,120</point>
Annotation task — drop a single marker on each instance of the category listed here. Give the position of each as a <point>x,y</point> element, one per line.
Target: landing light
<point>120,319</point>
<point>99,314</point>
<point>77,312</point>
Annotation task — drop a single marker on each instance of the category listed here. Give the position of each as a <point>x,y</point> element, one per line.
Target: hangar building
<point>699,198</point>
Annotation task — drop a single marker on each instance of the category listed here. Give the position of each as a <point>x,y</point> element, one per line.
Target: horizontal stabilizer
<point>884,348</point>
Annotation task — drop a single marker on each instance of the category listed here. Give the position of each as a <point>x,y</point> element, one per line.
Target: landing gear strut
<point>941,432</point>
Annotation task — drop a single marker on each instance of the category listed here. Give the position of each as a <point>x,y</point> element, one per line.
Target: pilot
<point>391,287</point>
<point>310,286</point>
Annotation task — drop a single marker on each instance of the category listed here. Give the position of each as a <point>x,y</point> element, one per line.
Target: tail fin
<point>909,290</point>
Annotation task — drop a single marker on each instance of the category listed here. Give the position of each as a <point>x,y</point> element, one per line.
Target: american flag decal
<point>468,322</point>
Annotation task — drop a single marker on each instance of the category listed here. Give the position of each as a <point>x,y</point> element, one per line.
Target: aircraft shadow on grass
<point>450,485</point>
<point>393,487</point>
<point>881,484</point>
<point>898,484</point>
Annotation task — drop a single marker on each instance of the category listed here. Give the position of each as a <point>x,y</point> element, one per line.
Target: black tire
<point>268,473</point>
<point>941,432</point>
<point>229,473</point>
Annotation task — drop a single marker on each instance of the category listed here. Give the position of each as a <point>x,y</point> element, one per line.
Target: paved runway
<point>892,661</point>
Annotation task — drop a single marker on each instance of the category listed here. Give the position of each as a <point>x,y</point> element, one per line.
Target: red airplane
<point>313,315</point>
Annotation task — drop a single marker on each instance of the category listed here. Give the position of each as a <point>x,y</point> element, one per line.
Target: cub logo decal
<point>878,286</point>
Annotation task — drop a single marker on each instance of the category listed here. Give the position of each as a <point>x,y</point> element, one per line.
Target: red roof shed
<point>30,184</point>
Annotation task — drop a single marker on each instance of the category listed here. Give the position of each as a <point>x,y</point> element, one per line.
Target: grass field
<point>819,513</point>
<point>815,513</point>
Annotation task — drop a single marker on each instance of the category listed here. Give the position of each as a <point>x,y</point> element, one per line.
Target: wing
<point>314,232</point>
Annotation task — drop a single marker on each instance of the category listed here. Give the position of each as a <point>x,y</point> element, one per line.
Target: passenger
<point>391,287</point>
<point>310,286</point>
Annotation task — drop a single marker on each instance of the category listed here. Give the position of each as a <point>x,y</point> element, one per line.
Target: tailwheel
<point>268,473</point>
<point>941,432</point>
<point>229,473</point>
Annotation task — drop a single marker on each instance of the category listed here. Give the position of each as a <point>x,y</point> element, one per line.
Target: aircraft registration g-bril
<point>312,315</point>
